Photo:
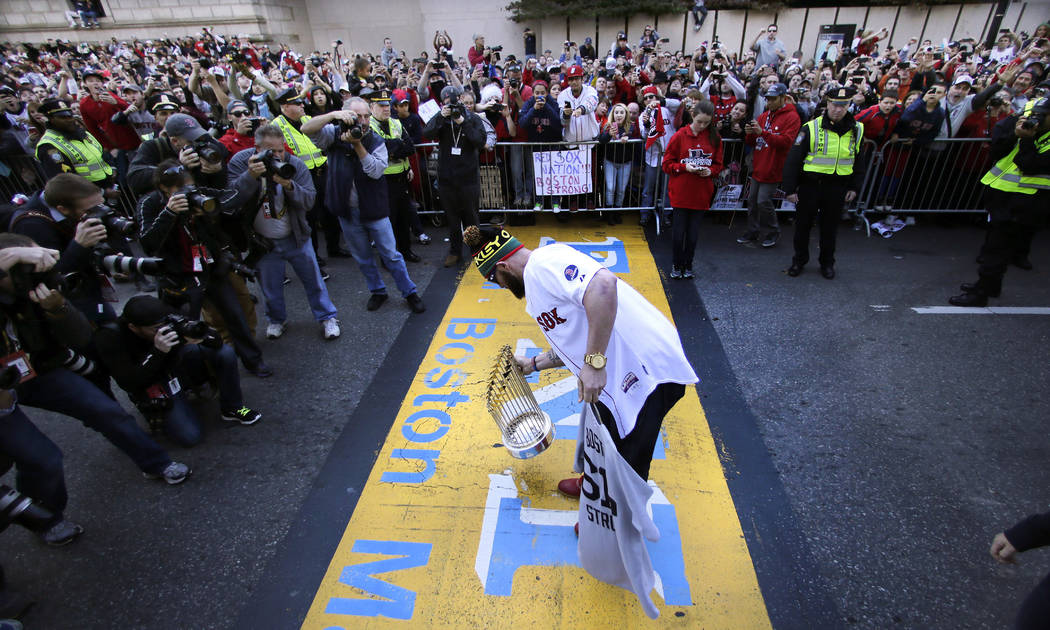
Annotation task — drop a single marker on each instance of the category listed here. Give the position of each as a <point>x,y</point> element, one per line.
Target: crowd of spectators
<point>223,159</point>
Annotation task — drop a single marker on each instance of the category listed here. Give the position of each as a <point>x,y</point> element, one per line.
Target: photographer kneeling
<point>179,223</point>
<point>45,340</point>
<point>155,354</point>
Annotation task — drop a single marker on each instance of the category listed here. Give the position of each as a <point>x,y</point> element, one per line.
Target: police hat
<point>162,102</point>
<point>380,96</point>
<point>842,94</point>
<point>289,96</point>
<point>54,107</point>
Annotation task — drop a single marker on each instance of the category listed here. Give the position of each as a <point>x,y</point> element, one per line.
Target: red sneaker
<point>571,487</point>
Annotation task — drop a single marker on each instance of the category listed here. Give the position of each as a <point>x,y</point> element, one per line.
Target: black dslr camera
<point>115,224</point>
<point>356,130</point>
<point>209,150</point>
<point>201,200</point>
<point>275,166</point>
<point>457,109</point>
<point>192,329</point>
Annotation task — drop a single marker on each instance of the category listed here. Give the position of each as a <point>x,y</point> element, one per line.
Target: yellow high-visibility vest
<point>1007,177</point>
<point>302,147</point>
<point>395,166</point>
<point>86,155</point>
<point>829,152</point>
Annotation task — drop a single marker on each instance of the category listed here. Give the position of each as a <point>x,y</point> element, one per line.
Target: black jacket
<point>462,168</point>
<point>152,153</point>
<point>45,337</point>
<point>167,235</point>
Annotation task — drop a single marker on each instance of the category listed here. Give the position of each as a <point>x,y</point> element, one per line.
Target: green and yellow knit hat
<point>490,245</point>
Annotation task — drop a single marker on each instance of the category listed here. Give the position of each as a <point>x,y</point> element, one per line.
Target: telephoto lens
<point>119,263</point>
<point>16,507</point>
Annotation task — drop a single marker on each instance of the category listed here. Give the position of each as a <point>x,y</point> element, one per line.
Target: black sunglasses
<point>239,113</point>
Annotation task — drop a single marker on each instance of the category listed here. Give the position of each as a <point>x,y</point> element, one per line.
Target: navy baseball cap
<point>777,89</point>
<point>184,126</point>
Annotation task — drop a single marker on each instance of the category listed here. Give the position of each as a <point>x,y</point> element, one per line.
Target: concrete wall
<point>306,24</point>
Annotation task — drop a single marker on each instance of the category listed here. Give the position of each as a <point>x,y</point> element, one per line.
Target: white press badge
<point>455,150</point>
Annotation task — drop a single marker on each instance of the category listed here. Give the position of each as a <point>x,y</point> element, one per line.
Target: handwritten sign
<point>428,109</point>
<point>563,172</point>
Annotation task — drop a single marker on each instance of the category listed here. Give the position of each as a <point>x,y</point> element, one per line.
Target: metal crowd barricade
<point>943,176</point>
<point>510,184</point>
<point>19,174</point>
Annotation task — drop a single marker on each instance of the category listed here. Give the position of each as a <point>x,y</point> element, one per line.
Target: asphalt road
<point>883,448</point>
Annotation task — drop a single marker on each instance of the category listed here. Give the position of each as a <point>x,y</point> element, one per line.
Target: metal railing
<point>901,178</point>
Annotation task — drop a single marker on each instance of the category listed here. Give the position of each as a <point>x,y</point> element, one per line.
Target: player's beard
<point>515,285</point>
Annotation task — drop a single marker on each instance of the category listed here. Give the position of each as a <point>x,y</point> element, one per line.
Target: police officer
<point>66,147</point>
<point>293,115</point>
<point>398,173</point>
<point>821,174</point>
<point>1017,196</point>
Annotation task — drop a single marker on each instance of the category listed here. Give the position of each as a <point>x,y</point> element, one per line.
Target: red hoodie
<point>97,120</point>
<point>688,190</point>
<point>779,130</point>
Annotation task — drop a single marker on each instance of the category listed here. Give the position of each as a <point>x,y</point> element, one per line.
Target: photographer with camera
<point>183,139</point>
<point>275,191</point>
<point>461,137</point>
<point>241,134</point>
<point>293,117</point>
<point>70,216</point>
<point>156,355</point>
<point>44,341</point>
<point>66,147</point>
<point>359,193</point>
<point>1017,196</point>
<point>179,223</point>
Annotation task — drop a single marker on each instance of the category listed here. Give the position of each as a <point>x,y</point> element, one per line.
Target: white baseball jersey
<point>613,520</point>
<point>644,349</point>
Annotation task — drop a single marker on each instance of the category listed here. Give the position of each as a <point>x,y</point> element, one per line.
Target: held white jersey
<point>644,349</point>
<point>613,520</point>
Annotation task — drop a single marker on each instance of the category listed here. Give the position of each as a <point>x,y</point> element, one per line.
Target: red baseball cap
<point>650,89</point>
<point>575,71</point>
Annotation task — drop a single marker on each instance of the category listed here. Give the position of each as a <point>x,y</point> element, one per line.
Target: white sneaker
<point>555,208</point>
<point>273,331</point>
<point>330,328</point>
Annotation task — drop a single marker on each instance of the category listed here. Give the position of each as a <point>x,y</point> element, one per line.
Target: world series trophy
<point>527,431</point>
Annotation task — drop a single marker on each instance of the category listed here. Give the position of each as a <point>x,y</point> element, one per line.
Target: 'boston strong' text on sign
<point>563,172</point>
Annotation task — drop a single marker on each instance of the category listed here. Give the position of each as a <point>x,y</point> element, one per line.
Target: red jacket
<point>110,135</point>
<point>475,56</point>
<point>235,142</point>
<point>779,130</point>
<point>688,190</point>
<point>877,126</point>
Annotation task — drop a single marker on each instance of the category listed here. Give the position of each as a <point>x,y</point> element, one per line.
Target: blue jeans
<point>359,237</point>
<point>70,394</point>
<point>197,363</point>
<point>649,190</point>
<point>304,263</point>
<point>38,461</point>
<point>616,178</point>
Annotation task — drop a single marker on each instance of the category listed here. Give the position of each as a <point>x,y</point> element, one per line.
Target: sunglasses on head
<point>175,170</point>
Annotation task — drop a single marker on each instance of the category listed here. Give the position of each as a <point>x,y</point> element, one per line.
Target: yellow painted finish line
<point>452,532</point>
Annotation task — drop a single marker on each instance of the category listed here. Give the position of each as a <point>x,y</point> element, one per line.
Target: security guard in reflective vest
<point>1017,197</point>
<point>398,174</point>
<point>289,122</point>
<point>821,174</point>
<point>66,147</point>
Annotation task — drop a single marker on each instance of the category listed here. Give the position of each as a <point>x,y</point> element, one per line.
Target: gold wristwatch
<point>596,360</point>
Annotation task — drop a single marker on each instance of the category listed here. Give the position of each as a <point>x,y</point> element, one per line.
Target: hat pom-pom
<point>472,237</point>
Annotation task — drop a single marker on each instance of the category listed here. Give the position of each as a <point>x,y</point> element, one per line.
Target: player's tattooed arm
<point>554,359</point>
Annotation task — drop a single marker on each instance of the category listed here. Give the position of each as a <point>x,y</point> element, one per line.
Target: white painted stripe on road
<point>991,310</point>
